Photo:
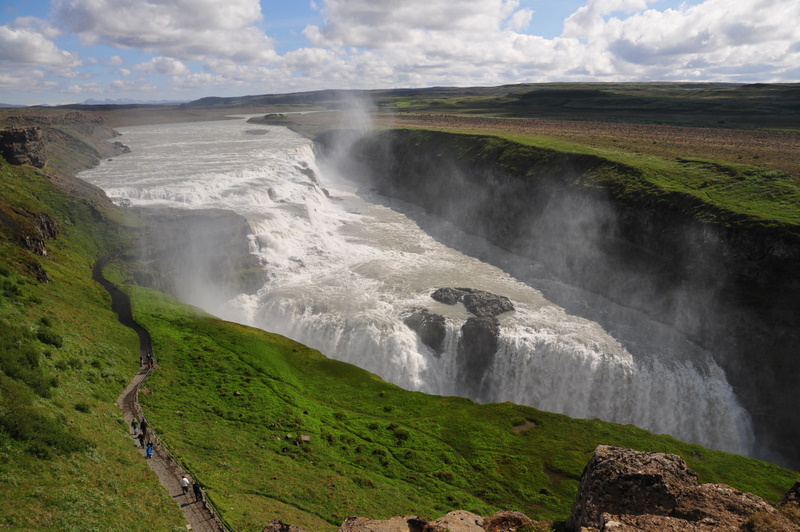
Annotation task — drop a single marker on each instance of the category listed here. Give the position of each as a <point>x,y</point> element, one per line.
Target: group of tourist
<point>139,429</point>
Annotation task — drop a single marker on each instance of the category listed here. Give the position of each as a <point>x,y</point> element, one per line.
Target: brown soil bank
<point>703,277</point>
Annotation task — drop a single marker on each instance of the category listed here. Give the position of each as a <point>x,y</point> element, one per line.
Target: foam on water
<point>343,272</point>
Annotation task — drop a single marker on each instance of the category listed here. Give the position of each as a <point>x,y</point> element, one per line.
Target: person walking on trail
<point>143,426</point>
<point>149,451</point>
<point>134,426</point>
<point>185,484</point>
<point>141,440</point>
<point>198,492</point>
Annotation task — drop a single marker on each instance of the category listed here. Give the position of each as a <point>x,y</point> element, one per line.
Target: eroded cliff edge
<point>721,280</point>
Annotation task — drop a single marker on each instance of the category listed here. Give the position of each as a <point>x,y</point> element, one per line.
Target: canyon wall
<point>727,283</point>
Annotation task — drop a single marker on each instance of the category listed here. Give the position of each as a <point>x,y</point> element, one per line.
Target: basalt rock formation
<point>23,145</point>
<point>625,490</point>
<point>429,327</point>
<point>477,343</point>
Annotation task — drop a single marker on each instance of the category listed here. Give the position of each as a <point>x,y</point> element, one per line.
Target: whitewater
<point>345,267</point>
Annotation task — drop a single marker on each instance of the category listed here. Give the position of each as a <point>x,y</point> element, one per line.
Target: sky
<point>64,51</point>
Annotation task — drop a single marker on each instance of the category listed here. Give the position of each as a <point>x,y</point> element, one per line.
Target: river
<point>345,267</point>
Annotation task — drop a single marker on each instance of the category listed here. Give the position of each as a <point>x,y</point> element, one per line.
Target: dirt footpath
<point>200,516</point>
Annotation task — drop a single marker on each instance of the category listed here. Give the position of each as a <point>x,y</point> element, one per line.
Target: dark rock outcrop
<point>478,342</point>
<point>429,327</point>
<point>792,497</point>
<point>478,302</point>
<point>477,348</point>
<point>624,490</point>
<point>30,231</point>
<point>121,148</point>
<point>23,145</point>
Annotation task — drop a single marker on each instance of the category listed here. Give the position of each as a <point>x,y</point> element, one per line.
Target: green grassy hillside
<point>66,460</point>
<point>231,402</point>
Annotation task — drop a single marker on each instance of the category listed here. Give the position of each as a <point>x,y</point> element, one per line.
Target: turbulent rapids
<point>345,268</point>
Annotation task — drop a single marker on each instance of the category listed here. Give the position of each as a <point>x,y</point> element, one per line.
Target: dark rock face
<point>478,302</point>
<point>30,231</point>
<point>477,348</point>
<point>477,344</point>
<point>622,489</point>
<point>23,145</point>
<point>121,148</point>
<point>429,327</point>
<point>792,497</point>
<point>43,227</point>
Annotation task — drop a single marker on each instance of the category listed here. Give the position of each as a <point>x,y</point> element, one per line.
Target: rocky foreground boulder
<point>623,490</point>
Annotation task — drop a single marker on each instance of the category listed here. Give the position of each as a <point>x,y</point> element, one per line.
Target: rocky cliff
<point>23,145</point>
<point>728,283</point>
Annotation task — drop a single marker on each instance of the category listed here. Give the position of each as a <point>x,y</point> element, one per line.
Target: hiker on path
<point>149,451</point>
<point>185,484</point>
<point>134,426</point>
<point>141,440</point>
<point>198,492</point>
<point>143,426</point>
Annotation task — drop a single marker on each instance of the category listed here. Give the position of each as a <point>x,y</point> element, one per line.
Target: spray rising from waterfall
<point>343,272</point>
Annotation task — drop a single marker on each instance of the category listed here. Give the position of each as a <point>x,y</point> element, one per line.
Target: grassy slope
<point>231,400</point>
<point>102,483</point>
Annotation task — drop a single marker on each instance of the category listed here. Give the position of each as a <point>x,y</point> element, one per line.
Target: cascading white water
<point>343,272</point>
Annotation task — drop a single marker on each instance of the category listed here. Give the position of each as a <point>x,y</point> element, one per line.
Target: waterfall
<point>343,272</point>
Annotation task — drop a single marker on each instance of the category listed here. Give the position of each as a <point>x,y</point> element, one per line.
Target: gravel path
<point>199,515</point>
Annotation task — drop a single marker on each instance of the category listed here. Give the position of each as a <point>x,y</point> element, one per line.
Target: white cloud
<point>692,41</point>
<point>19,45</point>
<point>184,29</point>
<point>379,24</point>
<point>164,66</point>
<point>115,60</point>
<point>520,20</point>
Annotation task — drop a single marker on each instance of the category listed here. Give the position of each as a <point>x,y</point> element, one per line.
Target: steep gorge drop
<point>345,268</point>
